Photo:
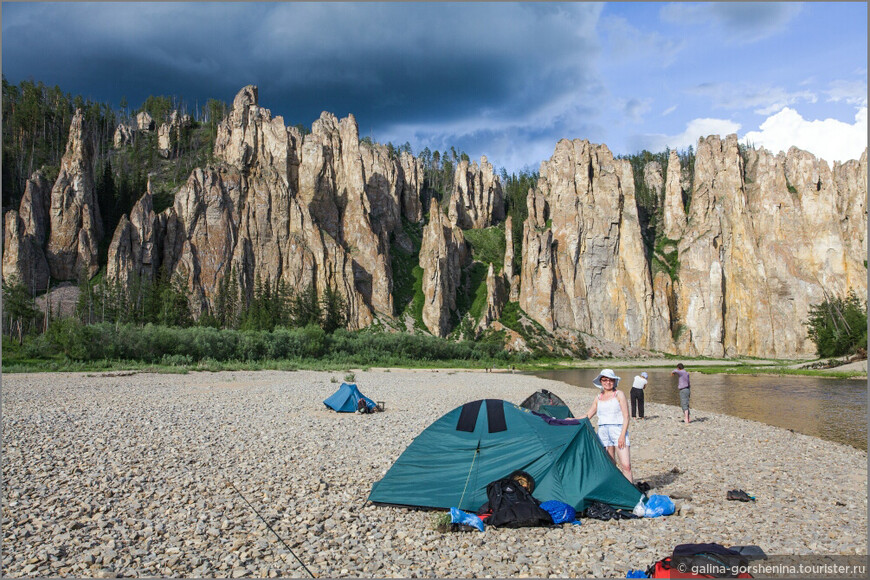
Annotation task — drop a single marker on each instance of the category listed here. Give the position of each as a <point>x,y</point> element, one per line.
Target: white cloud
<point>695,129</point>
<point>669,110</point>
<point>831,140</point>
<point>852,92</point>
<point>765,99</point>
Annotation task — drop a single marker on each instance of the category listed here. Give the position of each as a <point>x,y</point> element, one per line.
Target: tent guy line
<point>301,563</point>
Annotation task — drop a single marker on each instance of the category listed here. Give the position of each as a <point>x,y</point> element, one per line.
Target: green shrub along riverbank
<point>70,345</point>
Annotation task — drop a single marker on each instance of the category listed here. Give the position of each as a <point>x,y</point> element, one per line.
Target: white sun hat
<point>606,373</point>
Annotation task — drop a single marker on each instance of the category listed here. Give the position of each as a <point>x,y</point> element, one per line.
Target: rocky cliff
<point>133,252</point>
<point>316,209</point>
<point>763,239</point>
<point>584,266</point>
<point>477,200</point>
<point>443,255</point>
<point>24,236</point>
<point>745,241</point>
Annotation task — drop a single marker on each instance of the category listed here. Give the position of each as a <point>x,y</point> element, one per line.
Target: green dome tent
<point>547,403</point>
<point>451,462</point>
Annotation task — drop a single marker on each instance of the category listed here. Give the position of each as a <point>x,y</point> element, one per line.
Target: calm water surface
<point>833,409</point>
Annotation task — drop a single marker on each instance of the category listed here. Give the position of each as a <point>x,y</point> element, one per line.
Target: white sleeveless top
<point>609,412</point>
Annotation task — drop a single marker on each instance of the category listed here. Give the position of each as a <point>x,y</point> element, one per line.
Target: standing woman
<point>612,410</point>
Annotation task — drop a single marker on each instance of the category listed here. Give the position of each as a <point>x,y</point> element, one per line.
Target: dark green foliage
<point>305,308</point>
<point>175,345</point>
<point>438,174</point>
<point>650,206</point>
<point>487,245</point>
<point>666,258</point>
<point>175,306</point>
<point>472,295</point>
<point>403,264</point>
<point>510,316</point>
<point>36,121</point>
<point>838,326</point>
<point>159,108</point>
<point>516,189</point>
<point>417,302</point>
<point>20,315</point>
<point>334,309</point>
<point>687,164</point>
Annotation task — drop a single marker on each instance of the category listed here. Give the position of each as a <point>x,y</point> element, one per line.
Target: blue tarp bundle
<point>346,399</point>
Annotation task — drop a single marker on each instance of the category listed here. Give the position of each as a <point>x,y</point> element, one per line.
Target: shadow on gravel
<point>663,479</point>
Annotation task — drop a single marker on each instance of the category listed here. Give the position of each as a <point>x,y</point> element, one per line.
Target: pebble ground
<point>130,475</point>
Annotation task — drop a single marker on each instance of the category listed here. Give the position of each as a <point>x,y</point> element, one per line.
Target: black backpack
<point>513,506</point>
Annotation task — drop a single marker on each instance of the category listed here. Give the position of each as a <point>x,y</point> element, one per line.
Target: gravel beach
<point>133,475</point>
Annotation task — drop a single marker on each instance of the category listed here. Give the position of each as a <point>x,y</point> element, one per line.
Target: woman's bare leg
<point>624,455</point>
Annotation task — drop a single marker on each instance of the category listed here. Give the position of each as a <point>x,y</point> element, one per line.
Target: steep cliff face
<point>443,255</point>
<point>511,279</point>
<point>764,236</point>
<point>169,134</point>
<point>134,252</point>
<point>762,241</point>
<point>74,216</point>
<point>477,200</point>
<point>496,297</point>
<point>316,209</point>
<point>850,181</point>
<point>583,262</point>
<point>674,214</point>
<point>24,235</point>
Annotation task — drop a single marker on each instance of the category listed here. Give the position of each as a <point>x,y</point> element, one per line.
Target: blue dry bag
<point>659,505</point>
<point>559,511</point>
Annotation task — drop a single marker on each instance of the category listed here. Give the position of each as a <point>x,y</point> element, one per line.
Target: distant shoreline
<point>855,370</point>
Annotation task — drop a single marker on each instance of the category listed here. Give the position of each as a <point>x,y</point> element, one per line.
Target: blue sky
<point>504,80</point>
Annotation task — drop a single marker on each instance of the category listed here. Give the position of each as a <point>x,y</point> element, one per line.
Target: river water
<point>832,409</point>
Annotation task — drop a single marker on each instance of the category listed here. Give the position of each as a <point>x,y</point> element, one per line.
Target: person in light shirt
<point>612,410</point>
<point>637,395</point>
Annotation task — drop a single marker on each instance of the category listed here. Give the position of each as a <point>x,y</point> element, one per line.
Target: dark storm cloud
<point>414,65</point>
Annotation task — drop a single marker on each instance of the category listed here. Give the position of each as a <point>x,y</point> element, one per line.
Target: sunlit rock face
<point>443,255</point>
<point>318,209</point>
<point>74,216</point>
<point>24,234</point>
<point>477,200</point>
<point>584,266</point>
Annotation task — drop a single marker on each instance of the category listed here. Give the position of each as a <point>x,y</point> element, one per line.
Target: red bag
<point>662,569</point>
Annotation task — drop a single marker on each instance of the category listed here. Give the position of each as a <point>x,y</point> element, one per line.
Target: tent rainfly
<point>451,462</point>
<point>346,399</point>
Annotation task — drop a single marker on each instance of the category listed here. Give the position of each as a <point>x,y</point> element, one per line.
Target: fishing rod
<point>272,530</point>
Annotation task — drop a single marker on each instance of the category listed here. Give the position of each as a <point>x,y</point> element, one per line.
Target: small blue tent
<point>451,462</point>
<point>346,399</point>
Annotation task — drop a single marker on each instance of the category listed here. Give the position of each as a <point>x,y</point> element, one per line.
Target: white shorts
<point>609,435</point>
